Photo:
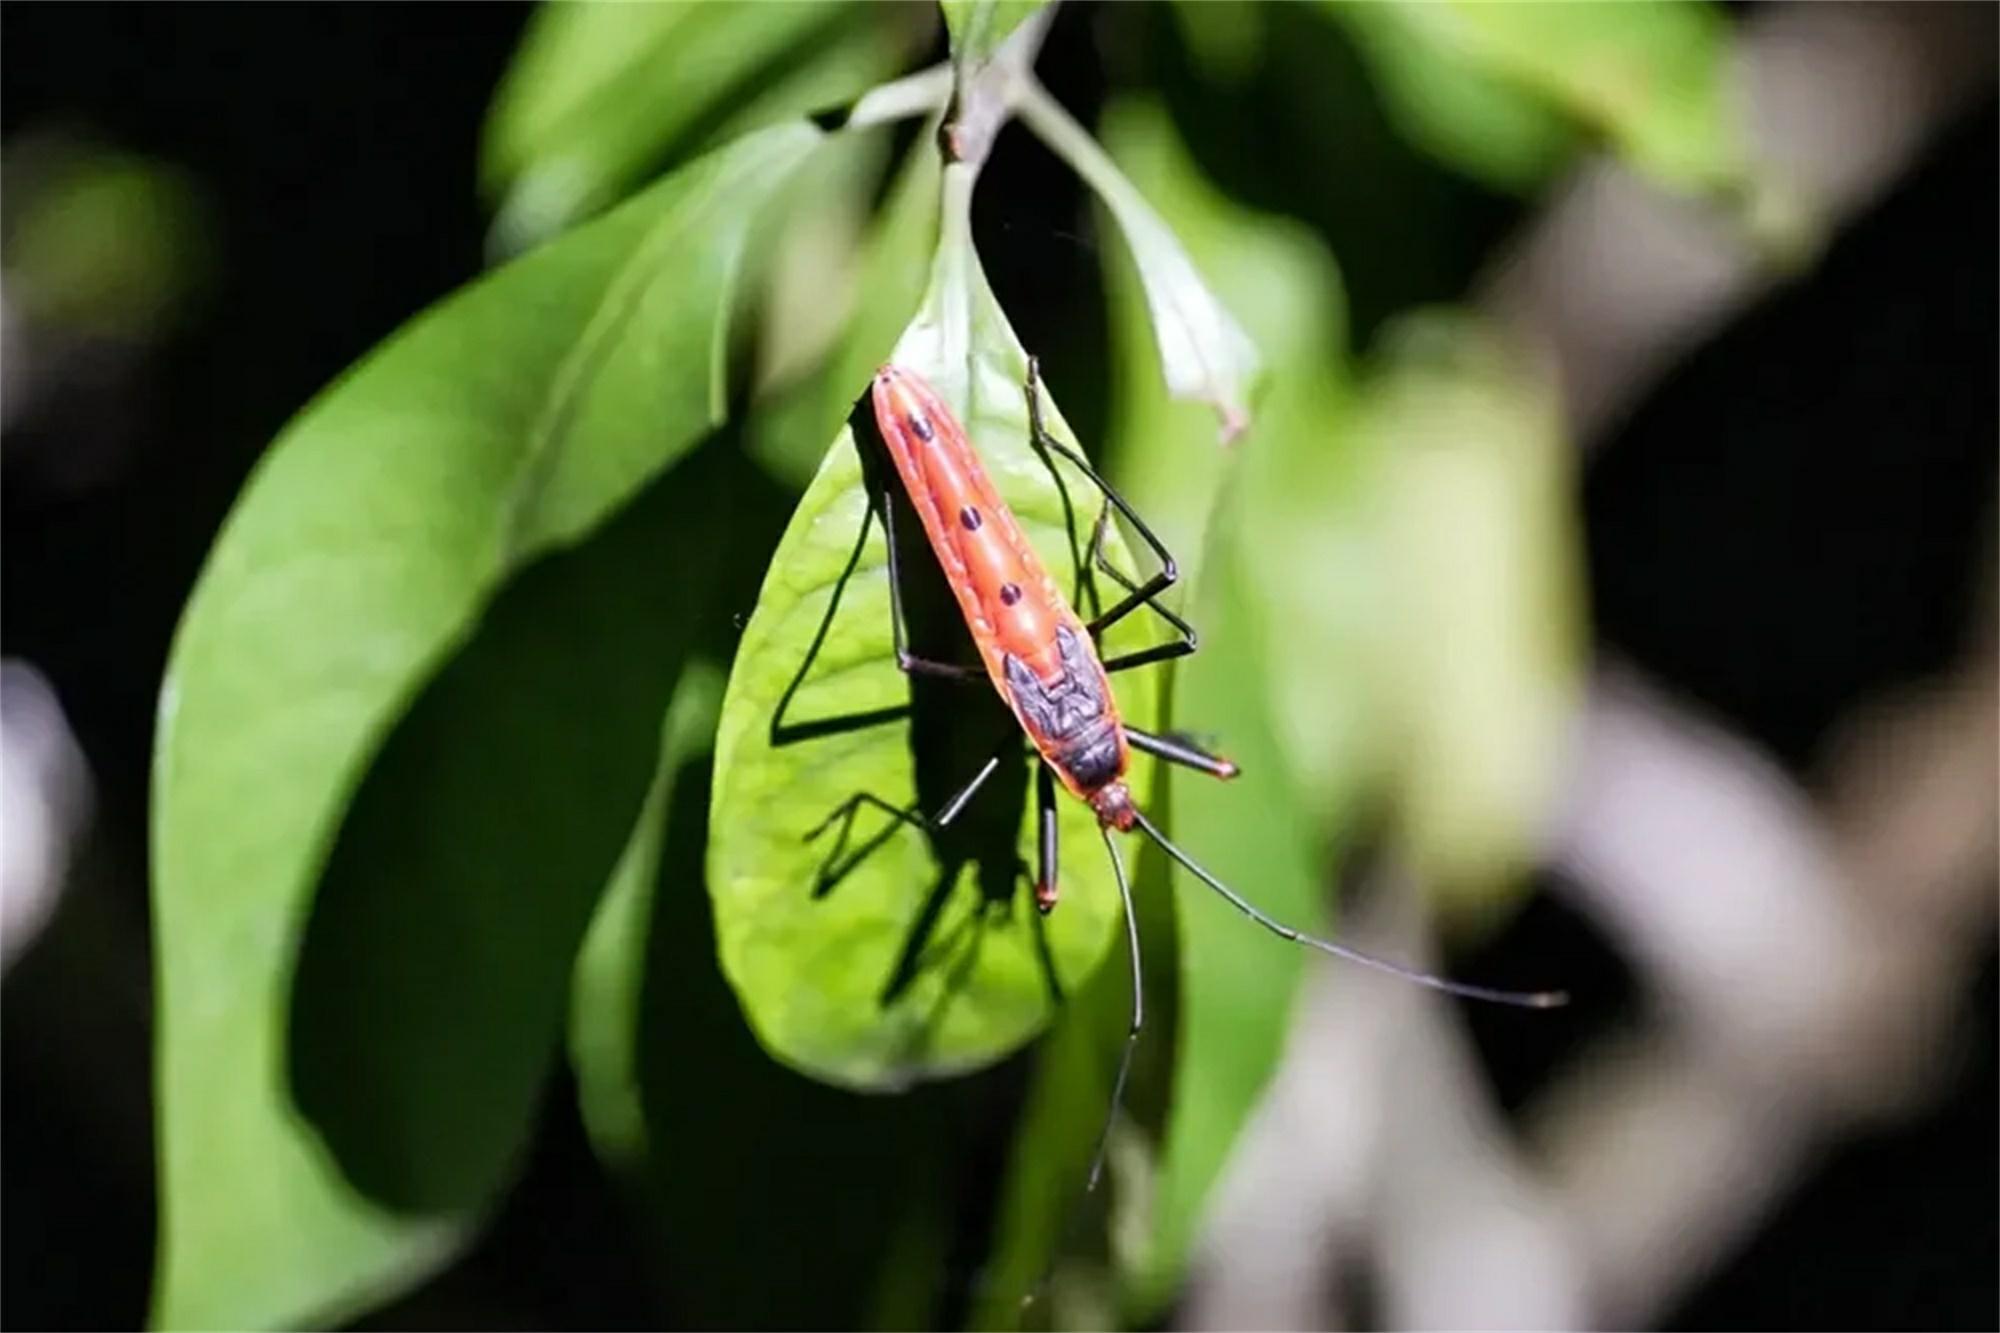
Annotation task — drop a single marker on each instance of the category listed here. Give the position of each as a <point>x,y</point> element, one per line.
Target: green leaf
<point>599,94</point>
<point>740,1179</point>
<point>1652,76</point>
<point>789,437</point>
<point>1479,537</point>
<point>1204,354</point>
<point>504,424</point>
<point>836,66</point>
<point>1218,1003</point>
<point>737,1167</point>
<point>865,951</point>
<point>1276,271</point>
<point>605,1013</point>
<point>1457,110</point>
<point>1237,981</point>
<point>815,264</point>
<point>436,967</point>
<point>979,27</point>
<point>732,516</point>
<point>1265,832</point>
<point>1649,77</point>
<point>1225,41</point>
<point>1046,1267</point>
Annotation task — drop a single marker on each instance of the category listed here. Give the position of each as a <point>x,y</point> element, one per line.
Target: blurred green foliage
<point>892,265</point>
<point>1507,89</point>
<point>600,94</point>
<point>1235,982</point>
<point>446,761</point>
<point>1477,541</point>
<point>102,243</point>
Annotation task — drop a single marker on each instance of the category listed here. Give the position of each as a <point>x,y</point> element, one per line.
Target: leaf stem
<point>1070,141</point>
<point>1203,353</point>
<point>986,94</point>
<point>916,94</point>
<point>953,280</point>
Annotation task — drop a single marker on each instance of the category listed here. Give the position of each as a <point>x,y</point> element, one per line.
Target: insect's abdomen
<point>1012,606</point>
<point>1007,597</point>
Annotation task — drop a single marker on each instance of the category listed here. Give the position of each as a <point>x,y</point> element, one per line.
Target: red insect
<point>1044,662</point>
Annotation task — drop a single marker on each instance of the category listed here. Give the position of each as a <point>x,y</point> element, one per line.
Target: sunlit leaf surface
<point>864,950</point>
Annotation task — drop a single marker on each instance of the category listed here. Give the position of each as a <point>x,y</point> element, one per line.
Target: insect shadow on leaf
<point>953,732</point>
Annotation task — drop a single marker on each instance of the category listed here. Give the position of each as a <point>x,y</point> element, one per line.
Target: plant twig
<point>986,95</point>
<point>917,94</point>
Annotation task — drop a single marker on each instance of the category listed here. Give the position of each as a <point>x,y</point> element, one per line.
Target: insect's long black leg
<point>1046,885</point>
<point>1138,1011</point>
<point>1165,652</point>
<point>971,789</point>
<point>1095,555</point>
<point>1169,571</point>
<point>1180,750</point>
<point>909,662</point>
<point>1161,652</point>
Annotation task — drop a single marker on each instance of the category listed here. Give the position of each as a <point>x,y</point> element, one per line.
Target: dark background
<point>1798,517</point>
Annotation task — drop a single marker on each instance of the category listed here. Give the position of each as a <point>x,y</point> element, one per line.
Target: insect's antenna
<point>1118,1084</point>
<point>1541,999</point>
<point>1138,1014</point>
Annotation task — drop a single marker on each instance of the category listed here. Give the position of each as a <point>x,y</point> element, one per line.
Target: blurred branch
<point>985,97</point>
<point>1807,969</point>
<point>1619,278</point>
<point>47,800</point>
<point>1809,965</point>
<point>1376,1150</point>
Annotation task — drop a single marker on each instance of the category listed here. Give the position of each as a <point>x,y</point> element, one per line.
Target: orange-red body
<point>1037,652</point>
<point>1042,661</point>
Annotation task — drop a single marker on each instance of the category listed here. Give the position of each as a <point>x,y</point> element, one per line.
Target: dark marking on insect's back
<point>1010,593</point>
<point>1028,693</point>
<point>1066,710</point>
<point>920,426</point>
<point>1093,761</point>
<point>1077,660</point>
<point>970,519</point>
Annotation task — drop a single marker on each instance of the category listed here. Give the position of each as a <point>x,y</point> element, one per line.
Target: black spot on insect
<point>1010,593</point>
<point>970,518</point>
<point>921,424</point>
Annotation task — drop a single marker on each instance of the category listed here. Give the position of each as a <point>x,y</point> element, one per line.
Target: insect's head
<point>1113,804</point>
